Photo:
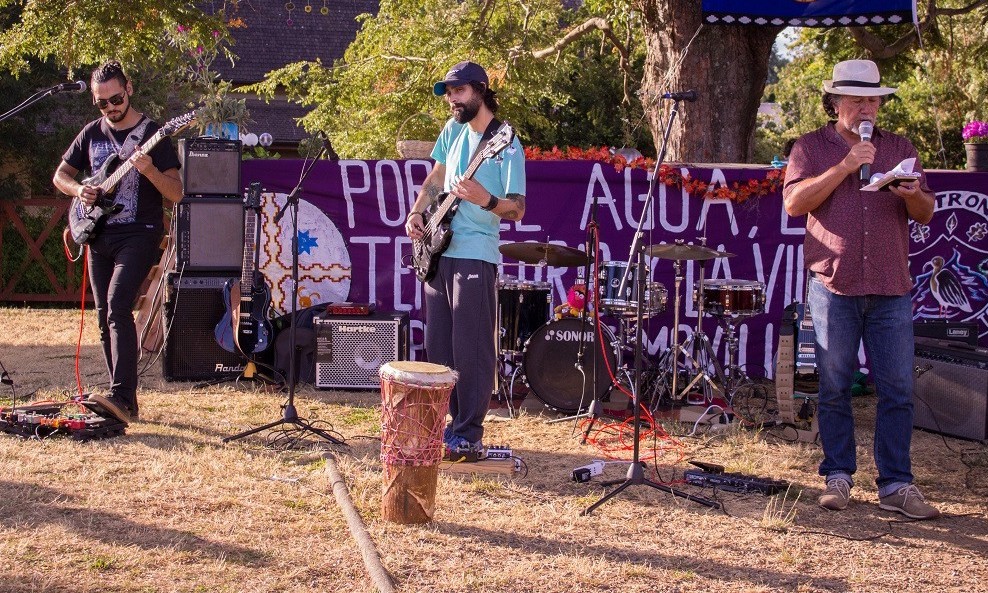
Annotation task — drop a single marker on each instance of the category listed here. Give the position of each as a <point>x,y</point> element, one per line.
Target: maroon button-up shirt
<point>857,242</point>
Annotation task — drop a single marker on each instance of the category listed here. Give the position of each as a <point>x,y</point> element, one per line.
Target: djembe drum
<point>414,398</point>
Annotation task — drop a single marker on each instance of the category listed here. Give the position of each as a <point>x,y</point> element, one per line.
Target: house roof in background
<point>276,118</point>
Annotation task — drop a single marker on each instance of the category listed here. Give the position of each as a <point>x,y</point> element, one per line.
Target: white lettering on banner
<point>717,177</point>
<point>784,227</point>
<point>722,266</point>
<point>382,187</point>
<point>633,204</point>
<point>780,251</point>
<point>416,337</point>
<point>349,190</point>
<point>769,361</point>
<point>414,188</point>
<point>599,187</point>
<point>371,262</point>
<point>665,196</point>
<point>403,245</point>
<point>520,226</point>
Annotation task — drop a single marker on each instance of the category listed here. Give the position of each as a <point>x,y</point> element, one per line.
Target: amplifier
<point>193,306</point>
<point>941,329</point>
<point>210,235</point>
<point>210,166</point>
<point>950,392</point>
<point>351,349</point>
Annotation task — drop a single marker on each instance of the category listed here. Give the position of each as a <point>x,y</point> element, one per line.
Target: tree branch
<point>580,30</point>
<point>880,50</point>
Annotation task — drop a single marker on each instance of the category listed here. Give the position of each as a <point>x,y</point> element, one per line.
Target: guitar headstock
<point>499,141</point>
<point>252,200</point>
<point>179,123</point>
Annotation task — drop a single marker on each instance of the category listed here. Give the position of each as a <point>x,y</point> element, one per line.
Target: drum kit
<point>570,362</point>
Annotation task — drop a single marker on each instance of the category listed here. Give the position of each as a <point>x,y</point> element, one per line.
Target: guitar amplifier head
<point>350,350</point>
<point>210,167</point>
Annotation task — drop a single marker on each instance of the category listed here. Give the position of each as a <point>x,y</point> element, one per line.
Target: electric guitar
<point>87,222</point>
<point>437,234</point>
<point>245,325</point>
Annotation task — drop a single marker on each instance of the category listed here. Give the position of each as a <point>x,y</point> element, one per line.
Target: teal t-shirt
<point>475,231</point>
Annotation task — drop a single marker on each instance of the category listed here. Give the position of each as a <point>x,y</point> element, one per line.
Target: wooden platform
<point>485,466</point>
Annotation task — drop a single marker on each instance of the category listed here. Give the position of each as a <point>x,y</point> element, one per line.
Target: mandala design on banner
<point>324,268</point>
<point>952,286</point>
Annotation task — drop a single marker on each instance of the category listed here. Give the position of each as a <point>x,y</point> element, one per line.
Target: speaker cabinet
<point>210,167</point>
<point>950,393</point>
<point>193,306</point>
<point>210,235</point>
<point>351,349</point>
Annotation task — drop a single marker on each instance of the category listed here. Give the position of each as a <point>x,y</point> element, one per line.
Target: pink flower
<point>975,131</point>
<point>180,28</point>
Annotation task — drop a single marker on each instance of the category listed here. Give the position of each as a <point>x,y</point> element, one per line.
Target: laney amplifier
<point>193,306</point>
<point>950,392</point>
<point>210,167</point>
<point>350,349</point>
<point>941,329</point>
<point>210,235</point>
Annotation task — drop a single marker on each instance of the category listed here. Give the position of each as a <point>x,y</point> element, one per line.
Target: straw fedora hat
<point>858,78</point>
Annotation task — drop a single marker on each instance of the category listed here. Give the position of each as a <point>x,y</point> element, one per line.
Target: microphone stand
<point>289,413</point>
<point>29,101</point>
<point>636,470</point>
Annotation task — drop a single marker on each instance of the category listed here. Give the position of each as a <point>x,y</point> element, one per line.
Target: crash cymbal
<point>681,251</point>
<point>554,255</point>
<point>724,254</point>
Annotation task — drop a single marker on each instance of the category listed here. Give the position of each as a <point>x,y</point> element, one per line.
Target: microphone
<point>77,86</point>
<point>865,129</point>
<point>690,95</point>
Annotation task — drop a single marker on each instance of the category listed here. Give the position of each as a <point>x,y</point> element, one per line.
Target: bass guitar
<point>245,325</point>
<point>86,222</point>
<point>437,234</point>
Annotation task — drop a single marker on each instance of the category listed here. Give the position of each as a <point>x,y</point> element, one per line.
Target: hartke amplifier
<point>210,235</point>
<point>193,306</point>
<point>941,329</point>
<point>950,393</point>
<point>210,167</point>
<point>351,349</point>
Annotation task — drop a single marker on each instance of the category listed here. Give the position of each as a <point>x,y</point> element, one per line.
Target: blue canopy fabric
<point>808,13</point>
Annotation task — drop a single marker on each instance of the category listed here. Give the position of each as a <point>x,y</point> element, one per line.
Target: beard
<point>465,112</point>
<point>118,116</point>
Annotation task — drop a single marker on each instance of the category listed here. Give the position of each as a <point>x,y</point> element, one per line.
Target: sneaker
<point>910,502</point>
<point>460,449</point>
<point>836,496</point>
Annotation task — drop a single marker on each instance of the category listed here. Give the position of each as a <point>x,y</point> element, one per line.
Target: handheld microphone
<point>681,96</point>
<point>77,86</point>
<point>865,129</point>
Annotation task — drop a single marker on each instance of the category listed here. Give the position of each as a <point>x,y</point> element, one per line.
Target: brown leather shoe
<point>109,405</point>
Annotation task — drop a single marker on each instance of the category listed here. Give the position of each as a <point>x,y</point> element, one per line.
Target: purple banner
<point>353,247</point>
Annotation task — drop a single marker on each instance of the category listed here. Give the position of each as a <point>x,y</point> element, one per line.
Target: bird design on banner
<point>946,287</point>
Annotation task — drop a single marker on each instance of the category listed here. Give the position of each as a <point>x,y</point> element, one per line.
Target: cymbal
<point>554,255</point>
<point>681,251</point>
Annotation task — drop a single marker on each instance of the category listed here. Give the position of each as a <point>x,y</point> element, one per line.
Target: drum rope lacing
<point>418,449</point>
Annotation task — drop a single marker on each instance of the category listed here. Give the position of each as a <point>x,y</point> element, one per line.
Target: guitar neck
<point>250,250</point>
<point>445,207</point>
<point>111,182</point>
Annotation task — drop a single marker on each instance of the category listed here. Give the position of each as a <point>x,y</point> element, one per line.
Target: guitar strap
<point>486,138</point>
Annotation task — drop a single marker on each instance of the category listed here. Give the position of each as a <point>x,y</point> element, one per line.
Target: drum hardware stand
<point>289,413</point>
<point>636,469</point>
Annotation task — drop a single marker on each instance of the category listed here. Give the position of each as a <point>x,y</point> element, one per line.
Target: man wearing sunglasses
<point>121,256</point>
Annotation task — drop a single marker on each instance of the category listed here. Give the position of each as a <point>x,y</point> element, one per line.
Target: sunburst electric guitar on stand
<point>437,234</point>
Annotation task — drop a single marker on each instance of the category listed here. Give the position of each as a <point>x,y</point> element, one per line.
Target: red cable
<point>82,321</point>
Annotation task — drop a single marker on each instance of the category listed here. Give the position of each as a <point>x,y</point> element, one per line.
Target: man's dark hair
<point>830,100</point>
<point>109,71</point>
<point>490,100</point>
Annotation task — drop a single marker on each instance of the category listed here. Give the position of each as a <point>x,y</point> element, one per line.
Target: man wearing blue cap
<point>461,299</point>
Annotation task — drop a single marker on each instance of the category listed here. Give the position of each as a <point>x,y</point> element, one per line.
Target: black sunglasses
<point>114,100</point>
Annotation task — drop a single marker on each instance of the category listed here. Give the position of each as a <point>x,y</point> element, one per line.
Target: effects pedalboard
<point>71,418</point>
<point>490,452</point>
<point>713,476</point>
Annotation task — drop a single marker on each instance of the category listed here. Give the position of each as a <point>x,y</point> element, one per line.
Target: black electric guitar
<point>437,234</point>
<point>245,326</point>
<point>86,222</point>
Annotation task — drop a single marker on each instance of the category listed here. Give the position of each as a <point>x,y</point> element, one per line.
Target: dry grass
<point>169,508</point>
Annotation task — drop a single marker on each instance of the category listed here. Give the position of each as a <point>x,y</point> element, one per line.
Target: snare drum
<point>550,364</point>
<point>732,298</point>
<point>625,304</point>
<point>523,306</point>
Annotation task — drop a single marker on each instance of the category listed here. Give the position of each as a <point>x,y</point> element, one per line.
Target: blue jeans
<point>885,324</point>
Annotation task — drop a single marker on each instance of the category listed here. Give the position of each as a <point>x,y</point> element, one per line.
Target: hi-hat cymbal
<point>681,251</point>
<point>554,255</point>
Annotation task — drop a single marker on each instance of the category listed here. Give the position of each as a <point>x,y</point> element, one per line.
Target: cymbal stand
<point>734,375</point>
<point>700,354</point>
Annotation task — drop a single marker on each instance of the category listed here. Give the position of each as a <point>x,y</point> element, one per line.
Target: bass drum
<point>549,361</point>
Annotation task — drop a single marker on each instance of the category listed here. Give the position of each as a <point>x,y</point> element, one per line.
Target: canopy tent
<point>809,13</point>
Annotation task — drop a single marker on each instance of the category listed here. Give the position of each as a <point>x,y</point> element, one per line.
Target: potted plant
<point>975,136</point>
<point>221,114</point>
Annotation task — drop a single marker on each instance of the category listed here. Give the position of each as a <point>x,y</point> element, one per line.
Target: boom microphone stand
<point>636,470</point>
<point>289,413</point>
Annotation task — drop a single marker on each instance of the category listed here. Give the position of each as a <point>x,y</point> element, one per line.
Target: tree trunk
<point>726,64</point>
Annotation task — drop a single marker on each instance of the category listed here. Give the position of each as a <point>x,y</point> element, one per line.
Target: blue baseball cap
<point>459,75</point>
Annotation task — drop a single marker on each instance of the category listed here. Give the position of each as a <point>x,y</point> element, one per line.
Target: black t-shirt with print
<point>141,200</point>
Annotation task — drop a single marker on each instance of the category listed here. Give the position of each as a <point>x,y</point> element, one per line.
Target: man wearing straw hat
<point>461,298</point>
<point>857,256</point>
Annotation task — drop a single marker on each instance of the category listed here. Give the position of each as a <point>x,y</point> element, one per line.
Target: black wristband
<point>411,214</point>
<point>491,203</point>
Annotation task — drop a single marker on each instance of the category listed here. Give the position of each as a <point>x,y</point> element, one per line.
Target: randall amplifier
<point>193,306</point>
<point>350,349</point>
<point>210,235</point>
<point>950,393</point>
<point>210,167</point>
<point>941,329</point>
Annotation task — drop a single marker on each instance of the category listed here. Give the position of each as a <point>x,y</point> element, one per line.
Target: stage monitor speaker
<point>210,167</point>
<point>210,235</point>
<point>193,306</point>
<point>350,349</point>
<point>950,393</point>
